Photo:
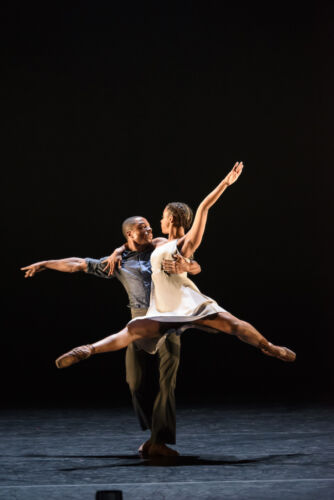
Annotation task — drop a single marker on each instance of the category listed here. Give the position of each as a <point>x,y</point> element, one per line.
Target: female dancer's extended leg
<point>227,323</point>
<point>138,329</point>
<point>147,328</point>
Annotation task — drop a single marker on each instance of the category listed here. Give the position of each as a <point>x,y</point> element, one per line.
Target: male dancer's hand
<point>177,265</point>
<point>31,270</point>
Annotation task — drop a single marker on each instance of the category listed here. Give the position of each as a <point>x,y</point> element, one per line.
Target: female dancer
<point>175,300</point>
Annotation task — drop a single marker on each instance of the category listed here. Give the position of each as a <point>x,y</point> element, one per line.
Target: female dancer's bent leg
<point>137,329</point>
<point>227,323</point>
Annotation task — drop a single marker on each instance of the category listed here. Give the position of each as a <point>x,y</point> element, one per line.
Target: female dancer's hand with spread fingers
<point>234,174</point>
<point>189,243</point>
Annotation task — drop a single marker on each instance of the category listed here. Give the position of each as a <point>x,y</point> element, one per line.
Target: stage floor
<point>283,453</point>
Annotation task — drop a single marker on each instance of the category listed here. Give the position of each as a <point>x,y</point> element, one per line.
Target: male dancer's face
<point>141,232</point>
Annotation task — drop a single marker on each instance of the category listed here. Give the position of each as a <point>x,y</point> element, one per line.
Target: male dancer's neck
<point>137,247</point>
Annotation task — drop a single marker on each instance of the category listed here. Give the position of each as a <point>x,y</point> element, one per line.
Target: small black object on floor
<point>109,495</point>
<point>229,453</point>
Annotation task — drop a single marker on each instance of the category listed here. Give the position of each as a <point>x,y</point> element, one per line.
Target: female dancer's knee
<point>134,328</point>
<point>139,328</point>
<point>229,324</point>
<point>237,327</point>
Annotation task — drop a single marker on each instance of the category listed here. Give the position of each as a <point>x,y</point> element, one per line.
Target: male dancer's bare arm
<point>192,240</point>
<point>69,265</point>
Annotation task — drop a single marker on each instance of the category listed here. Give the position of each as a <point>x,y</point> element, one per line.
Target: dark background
<point>114,109</point>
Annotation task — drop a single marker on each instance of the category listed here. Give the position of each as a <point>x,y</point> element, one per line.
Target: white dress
<point>174,299</point>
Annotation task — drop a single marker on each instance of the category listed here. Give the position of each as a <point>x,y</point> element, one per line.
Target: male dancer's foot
<point>276,351</point>
<point>161,450</point>
<point>144,447</point>
<point>74,356</point>
<point>149,449</point>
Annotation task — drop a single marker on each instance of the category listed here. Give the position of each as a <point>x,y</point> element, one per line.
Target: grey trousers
<point>152,381</point>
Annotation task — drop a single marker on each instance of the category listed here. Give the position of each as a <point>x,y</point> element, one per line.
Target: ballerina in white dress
<point>176,302</point>
<point>175,298</point>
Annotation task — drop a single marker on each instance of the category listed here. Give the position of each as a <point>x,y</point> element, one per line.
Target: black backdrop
<point>112,110</point>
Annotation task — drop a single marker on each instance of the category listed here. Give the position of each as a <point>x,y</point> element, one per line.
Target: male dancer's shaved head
<point>129,223</point>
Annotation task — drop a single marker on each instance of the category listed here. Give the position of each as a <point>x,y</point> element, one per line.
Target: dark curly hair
<point>182,213</point>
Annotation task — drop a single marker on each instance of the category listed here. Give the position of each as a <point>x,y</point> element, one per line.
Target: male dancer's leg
<point>154,406</point>
<point>140,378</point>
<point>163,418</point>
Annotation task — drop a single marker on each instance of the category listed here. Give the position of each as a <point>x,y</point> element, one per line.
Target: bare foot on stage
<point>143,448</point>
<point>161,450</point>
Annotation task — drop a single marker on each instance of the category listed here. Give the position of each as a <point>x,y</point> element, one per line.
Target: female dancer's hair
<point>182,213</point>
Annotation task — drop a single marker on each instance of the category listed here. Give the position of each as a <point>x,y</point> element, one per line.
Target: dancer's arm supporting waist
<point>178,265</point>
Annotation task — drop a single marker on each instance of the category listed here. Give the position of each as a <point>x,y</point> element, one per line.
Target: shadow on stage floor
<point>184,460</point>
<point>229,453</point>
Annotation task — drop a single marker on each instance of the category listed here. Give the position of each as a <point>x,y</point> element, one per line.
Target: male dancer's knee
<point>133,367</point>
<point>169,354</point>
<point>168,374</point>
<point>133,383</point>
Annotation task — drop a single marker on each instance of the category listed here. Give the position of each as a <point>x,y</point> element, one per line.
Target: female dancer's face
<point>166,221</point>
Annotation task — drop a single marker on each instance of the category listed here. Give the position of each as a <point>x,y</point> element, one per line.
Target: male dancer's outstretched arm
<point>76,264</point>
<point>69,265</point>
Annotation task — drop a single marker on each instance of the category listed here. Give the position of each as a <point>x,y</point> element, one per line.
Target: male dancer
<point>154,411</point>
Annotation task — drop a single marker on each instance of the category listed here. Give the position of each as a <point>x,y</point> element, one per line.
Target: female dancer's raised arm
<point>192,240</point>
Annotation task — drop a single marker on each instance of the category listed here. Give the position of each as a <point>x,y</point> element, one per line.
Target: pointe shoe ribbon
<point>74,356</point>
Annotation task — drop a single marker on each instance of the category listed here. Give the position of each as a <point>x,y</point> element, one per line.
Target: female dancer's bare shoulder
<point>157,242</point>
